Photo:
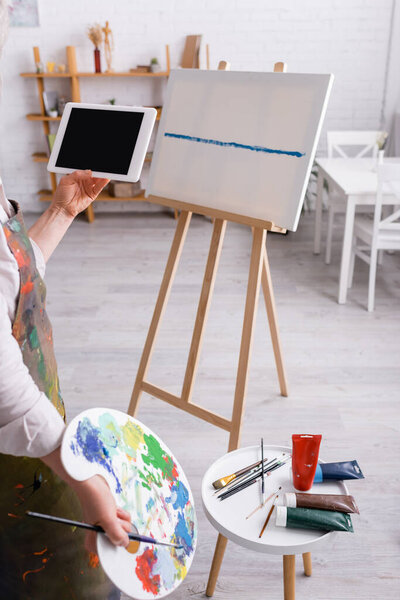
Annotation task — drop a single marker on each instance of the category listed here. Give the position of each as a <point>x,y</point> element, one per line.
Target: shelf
<point>43,75</point>
<point>40,157</point>
<point>35,117</point>
<point>124,74</point>
<point>47,196</point>
<point>113,74</point>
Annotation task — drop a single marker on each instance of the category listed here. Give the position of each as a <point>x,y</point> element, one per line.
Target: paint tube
<point>341,503</point>
<point>311,518</point>
<point>338,470</point>
<point>304,460</point>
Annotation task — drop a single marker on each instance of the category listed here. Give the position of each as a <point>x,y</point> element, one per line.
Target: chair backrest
<point>388,183</point>
<point>364,143</point>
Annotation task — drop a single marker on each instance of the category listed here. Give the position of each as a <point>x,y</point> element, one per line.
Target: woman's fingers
<point>116,532</point>
<point>99,184</point>
<point>123,514</point>
<point>126,525</point>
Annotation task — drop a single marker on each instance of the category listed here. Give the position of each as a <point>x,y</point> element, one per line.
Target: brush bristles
<point>221,483</point>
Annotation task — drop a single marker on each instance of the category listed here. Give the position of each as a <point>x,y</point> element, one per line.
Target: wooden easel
<point>259,274</point>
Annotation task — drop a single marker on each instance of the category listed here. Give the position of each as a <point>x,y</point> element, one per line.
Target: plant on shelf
<point>154,65</point>
<point>95,35</point>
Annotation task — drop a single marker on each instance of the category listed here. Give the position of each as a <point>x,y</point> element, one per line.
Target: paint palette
<point>149,483</point>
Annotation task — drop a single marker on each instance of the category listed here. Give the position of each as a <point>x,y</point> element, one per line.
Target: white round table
<point>229,516</point>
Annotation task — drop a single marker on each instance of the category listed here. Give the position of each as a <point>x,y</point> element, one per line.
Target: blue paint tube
<point>338,470</point>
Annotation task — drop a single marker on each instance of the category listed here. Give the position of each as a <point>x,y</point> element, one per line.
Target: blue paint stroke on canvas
<point>89,442</point>
<point>191,138</point>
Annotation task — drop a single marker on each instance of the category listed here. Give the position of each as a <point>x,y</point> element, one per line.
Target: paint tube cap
<point>290,499</point>
<point>281,516</point>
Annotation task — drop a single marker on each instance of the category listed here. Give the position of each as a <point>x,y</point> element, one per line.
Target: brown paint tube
<point>340,503</point>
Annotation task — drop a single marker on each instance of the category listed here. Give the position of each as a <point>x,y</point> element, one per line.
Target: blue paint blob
<point>182,534</point>
<point>192,138</point>
<point>150,504</point>
<point>88,440</point>
<point>179,496</point>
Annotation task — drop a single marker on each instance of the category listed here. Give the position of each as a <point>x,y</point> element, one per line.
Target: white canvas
<point>241,135</point>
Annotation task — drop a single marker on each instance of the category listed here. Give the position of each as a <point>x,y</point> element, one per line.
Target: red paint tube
<point>304,460</point>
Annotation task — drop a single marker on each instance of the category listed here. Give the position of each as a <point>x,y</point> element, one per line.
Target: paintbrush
<point>223,481</point>
<point>262,472</point>
<point>248,475</point>
<point>132,536</point>
<point>246,484</point>
<point>268,517</point>
<point>263,503</point>
<point>241,485</point>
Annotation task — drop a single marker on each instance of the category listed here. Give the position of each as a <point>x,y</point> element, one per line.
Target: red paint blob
<point>145,563</point>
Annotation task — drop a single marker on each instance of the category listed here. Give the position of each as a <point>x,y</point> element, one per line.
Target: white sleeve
<point>29,424</point>
<point>39,259</point>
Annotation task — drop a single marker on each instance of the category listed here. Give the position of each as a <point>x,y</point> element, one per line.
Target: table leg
<point>289,576</point>
<point>346,250</point>
<point>318,212</point>
<point>307,564</point>
<point>216,564</point>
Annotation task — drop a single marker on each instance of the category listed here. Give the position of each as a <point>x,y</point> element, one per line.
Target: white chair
<point>381,232</point>
<point>362,144</point>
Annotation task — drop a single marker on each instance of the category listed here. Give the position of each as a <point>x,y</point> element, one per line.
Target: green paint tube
<point>311,518</point>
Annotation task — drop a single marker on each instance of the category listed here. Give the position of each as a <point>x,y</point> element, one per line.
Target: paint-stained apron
<point>40,560</point>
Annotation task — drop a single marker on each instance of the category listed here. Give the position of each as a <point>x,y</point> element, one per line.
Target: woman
<point>40,560</point>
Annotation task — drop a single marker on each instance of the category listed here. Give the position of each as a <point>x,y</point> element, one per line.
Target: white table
<point>357,180</point>
<point>229,516</point>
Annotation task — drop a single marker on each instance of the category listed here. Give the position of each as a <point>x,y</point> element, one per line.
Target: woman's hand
<point>99,508</point>
<point>97,503</point>
<point>75,192</point>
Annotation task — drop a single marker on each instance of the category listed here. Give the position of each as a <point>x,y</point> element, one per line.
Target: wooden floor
<point>343,366</point>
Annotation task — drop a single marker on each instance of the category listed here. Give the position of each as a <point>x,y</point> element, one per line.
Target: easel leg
<point>216,564</point>
<point>253,289</point>
<point>90,213</point>
<point>307,564</point>
<point>163,295</point>
<point>203,307</point>
<point>273,324</point>
<point>289,574</point>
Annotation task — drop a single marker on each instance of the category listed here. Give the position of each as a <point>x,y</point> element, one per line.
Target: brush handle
<point>262,468</point>
<point>243,485</point>
<point>248,475</point>
<point>132,536</point>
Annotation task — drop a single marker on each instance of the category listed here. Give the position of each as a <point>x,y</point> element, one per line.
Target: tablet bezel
<point>139,153</point>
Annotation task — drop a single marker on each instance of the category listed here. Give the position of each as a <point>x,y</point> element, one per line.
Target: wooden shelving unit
<point>74,75</point>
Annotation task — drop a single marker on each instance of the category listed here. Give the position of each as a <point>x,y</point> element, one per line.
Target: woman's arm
<point>74,193</point>
<point>97,502</point>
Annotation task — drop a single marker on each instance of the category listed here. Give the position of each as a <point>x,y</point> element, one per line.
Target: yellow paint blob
<point>132,547</point>
<point>133,435</point>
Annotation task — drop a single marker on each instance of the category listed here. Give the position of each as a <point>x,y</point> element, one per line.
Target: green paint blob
<point>158,458</point>
<point>33,339</point>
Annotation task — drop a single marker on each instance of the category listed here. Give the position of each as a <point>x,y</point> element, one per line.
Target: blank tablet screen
<point>100,140</point>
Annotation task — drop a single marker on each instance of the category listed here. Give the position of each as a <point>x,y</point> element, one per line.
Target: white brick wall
<point>346,37</point>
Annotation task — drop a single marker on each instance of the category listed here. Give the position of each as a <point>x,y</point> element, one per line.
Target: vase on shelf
<point>97,63</point>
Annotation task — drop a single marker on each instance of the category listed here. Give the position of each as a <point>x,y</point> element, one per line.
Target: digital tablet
<point>110,140</point>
